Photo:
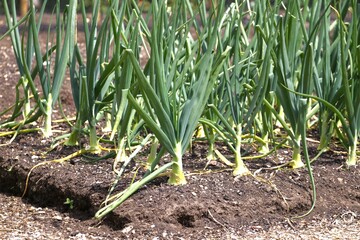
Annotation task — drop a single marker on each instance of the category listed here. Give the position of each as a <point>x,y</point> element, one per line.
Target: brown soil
<point>213,205</point>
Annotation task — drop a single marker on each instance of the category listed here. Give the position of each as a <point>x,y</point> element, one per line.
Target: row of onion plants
<point>233,72</point>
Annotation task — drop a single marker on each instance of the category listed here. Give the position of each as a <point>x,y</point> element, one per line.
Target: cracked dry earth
<point>213,205</point>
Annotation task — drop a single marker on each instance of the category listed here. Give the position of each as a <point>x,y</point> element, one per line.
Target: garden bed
<point>212,204</point>
<point>62,198</point>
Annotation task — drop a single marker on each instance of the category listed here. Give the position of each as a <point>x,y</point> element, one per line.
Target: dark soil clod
<point>186,220</point>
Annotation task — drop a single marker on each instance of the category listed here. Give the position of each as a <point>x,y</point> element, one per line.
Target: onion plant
<point>175,84</point>
<point>34,60</point>
<point>227,105</point>
<point>345,103</point>
<point>350,76</point>
<point>93,74</point>
<point>83,80</point>
<point>263,119</point>
<point>127,26</point>
<point>177,61</point>
<point>327,73</point>
<point>292,56</point>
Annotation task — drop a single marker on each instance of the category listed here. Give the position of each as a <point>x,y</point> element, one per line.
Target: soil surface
<point>62,198</point>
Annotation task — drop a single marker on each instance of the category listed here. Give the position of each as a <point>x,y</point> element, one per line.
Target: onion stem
<point>177,176</point>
